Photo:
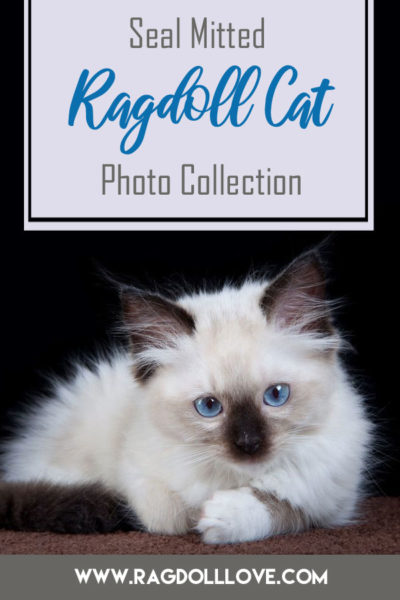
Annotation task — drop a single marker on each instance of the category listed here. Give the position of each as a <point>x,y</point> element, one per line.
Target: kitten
<point>231,413</point>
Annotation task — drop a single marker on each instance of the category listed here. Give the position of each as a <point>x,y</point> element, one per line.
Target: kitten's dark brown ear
<point>297,296</point>
<point>152,321</point>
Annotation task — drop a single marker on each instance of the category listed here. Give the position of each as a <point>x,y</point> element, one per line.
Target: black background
<point>57,306</point>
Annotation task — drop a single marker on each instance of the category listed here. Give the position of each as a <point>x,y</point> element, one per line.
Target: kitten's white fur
<point>146,440</point>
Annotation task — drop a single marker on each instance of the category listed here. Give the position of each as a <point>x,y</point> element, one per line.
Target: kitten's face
<point>236,366</point>
<point>241,375</point>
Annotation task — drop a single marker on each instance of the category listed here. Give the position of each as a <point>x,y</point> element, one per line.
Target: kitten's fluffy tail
<point>39,506</point>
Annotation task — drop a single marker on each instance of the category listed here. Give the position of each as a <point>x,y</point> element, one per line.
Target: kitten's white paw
<point>234,516</point>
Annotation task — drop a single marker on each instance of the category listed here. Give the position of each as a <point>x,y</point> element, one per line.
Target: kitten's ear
<point>153,321</point>
<point>297,296</point>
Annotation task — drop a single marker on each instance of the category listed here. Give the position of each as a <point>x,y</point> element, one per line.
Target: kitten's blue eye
<point>208,406</point>
<point>276,395</point>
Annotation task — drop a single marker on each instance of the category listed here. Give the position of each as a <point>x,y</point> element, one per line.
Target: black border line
<point>32,219</point>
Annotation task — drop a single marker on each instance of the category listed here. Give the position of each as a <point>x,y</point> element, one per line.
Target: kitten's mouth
<point>250,466</point>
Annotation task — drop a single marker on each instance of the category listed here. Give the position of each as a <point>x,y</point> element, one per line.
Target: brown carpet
<point>378,532</point>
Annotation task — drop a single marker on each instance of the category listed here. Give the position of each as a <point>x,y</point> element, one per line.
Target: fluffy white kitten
<point>231,413</point>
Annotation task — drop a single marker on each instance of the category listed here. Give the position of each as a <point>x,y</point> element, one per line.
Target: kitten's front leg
<point>247,514</point>
<point>159,509</point>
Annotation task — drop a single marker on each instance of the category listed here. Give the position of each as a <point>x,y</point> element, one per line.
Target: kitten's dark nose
<point>248,443</point>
